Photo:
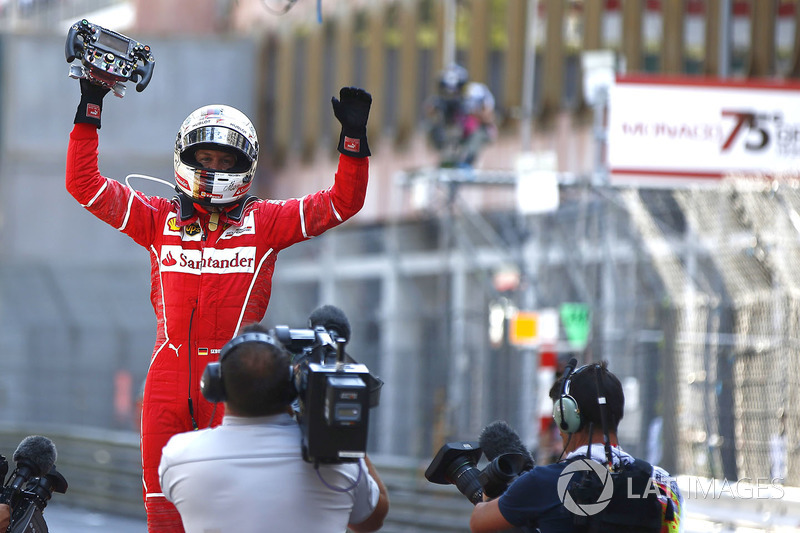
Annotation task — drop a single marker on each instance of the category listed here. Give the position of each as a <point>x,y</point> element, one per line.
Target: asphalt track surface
<point>62,519</point>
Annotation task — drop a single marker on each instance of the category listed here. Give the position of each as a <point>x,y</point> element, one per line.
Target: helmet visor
<point>219,138</point>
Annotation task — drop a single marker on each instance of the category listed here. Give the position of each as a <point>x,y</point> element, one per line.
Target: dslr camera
<point>108,58</point>
<point>335,394</point>
<point>456,464</point>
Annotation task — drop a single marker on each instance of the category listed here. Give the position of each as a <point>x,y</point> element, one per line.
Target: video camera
<point>455,464</point>
<point>108,58</point>
<point>335,395</point>
<point>31,485</point>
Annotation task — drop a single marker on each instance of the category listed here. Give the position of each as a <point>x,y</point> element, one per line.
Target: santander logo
<point>168,260</point>
<point>208,260</point>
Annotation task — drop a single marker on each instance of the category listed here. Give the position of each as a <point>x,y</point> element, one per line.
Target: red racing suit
<point>205,284</point>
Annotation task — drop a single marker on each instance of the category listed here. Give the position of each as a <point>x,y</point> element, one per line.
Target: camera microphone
<point>499,438</point>
<point>36,453</point>
<point>35,456</point>
<point>333,320</point>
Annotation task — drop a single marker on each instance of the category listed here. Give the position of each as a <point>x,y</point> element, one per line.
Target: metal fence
<point>103,471</point>
<point>693,299</point>
<point>737,347</point>
<point>692,296</point>
<point>692,292</point>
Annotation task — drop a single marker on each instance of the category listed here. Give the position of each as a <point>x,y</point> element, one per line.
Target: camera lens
<point>464,476</point>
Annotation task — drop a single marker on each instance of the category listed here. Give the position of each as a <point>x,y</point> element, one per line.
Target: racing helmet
<point>452,80</point>
<point>215,127</point>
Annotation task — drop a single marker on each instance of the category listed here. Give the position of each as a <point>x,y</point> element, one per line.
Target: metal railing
<point>104,475</point>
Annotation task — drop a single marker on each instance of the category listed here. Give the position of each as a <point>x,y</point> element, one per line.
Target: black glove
<point>91,105</point>
<point>352,110</point>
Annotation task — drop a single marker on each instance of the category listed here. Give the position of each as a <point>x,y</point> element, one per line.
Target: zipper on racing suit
<point>191,404</point>
<point>204,237</point>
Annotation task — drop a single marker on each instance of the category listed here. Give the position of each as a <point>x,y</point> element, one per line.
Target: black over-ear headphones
<point>212,385</point>
<point>566,411</point>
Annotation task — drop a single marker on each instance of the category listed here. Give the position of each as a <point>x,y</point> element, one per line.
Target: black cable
<point>601,400</point>
<point>213,412</point>
<point>564,449</point>
<point>336,489</point>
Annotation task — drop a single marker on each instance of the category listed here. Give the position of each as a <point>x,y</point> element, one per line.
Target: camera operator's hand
<point>5,517</point>
<point>91,106</point>
<point>352,111</point>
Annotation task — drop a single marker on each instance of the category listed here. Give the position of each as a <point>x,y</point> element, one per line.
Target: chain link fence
<point>729,356</point>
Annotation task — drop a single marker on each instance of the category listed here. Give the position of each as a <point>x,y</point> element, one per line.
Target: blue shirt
<point>532,501</point>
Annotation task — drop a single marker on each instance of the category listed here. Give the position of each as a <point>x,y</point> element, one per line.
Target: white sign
<point>548,326</point>
<point>702,130</point>
<point>537,183</point>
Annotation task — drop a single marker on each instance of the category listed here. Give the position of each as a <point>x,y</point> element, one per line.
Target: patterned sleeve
<point>671,500</point>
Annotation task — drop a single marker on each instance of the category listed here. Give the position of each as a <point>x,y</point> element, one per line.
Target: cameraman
<point>533,500</point>
<point>248,474</point>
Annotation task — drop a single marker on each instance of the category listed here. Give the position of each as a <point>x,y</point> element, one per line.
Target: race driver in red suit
<point>212,250</point>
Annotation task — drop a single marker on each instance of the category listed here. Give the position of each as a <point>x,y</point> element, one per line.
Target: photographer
<point>460,118</point>
<point>248,474</point>
<point>212,250</point>
<point>588,406</point>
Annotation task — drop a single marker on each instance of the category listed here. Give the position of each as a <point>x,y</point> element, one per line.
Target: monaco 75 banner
<point>689,130</point>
